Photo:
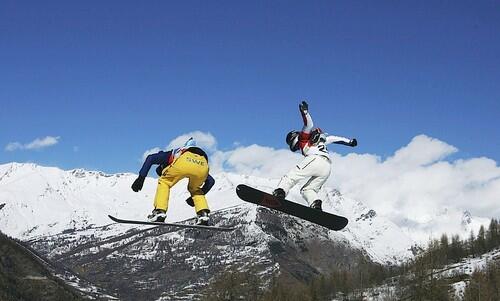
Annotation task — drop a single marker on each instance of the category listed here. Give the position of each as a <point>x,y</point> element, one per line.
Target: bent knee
<point>305,190</point>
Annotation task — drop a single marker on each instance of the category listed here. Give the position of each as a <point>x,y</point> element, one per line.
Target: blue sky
<point>111,79</point>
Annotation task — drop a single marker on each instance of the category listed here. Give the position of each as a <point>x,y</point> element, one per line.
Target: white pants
<point>316,168</point>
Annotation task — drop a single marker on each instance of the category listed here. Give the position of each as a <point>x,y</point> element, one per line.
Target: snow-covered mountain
<point>40,201</point>
<point>63,215</point>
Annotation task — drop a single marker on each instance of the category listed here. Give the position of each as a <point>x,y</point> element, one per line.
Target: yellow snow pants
<point>188,165</point>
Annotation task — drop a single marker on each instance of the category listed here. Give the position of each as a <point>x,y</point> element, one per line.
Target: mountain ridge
<point>59,200</point>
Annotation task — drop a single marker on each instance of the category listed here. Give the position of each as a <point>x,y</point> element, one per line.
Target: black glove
<point>303,106</point>
<point>353,142</point>
<point>190,201</point>
<point>137,185</point>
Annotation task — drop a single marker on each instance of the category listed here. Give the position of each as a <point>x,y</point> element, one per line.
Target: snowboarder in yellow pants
<point>188,165</point>
<point>189,162</point>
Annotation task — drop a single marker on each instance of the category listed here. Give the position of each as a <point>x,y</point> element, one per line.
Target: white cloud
<point>420,151</point>
<point>42,143</point>
<point>418,182</point>
<point>204,140</point>
<point>38,143</point>
<point>260,161</point>
<point>12,146</point>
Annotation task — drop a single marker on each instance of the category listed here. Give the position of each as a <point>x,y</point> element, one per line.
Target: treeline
<point>422,278</point>
<point>348,284</point>
<point>484,285</point>
<point>446,250</point>
<point>349,281</point>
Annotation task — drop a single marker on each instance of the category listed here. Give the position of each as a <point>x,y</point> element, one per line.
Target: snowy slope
<point>460,270</point>
<point>42,201</point>
<point>467,267</point>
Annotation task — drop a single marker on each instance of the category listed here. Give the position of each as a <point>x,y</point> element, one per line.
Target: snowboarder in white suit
<point>316,164</point>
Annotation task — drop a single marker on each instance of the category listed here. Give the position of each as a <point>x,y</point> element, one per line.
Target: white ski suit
<point>316,165</point>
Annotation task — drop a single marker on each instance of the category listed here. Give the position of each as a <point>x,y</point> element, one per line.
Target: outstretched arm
<point>158,158</point>
<point>341,140</point>
<point>306,117</point>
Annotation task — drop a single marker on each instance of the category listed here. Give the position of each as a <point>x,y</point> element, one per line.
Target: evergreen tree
<point>492,234</point>
<point>444,246</point>
<point>481,240</point>
<point>471,244</point>
<point>457,250</point>
<point>484,285</point>
<point>279,291</point>
<point>235,285</point>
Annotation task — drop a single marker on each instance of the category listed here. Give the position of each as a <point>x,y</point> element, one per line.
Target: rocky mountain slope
<point>25,275</point>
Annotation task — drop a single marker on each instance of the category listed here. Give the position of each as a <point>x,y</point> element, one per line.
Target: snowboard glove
<point>137,185</point>
<point>303,106</point>
<point>353,142</point>
<point>190,201</point>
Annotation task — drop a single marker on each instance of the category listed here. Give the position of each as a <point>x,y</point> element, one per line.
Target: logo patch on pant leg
<point>195,161</point>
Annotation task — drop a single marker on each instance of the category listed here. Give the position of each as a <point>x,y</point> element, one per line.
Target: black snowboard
<point>126,221</point>
<point>325,219</point>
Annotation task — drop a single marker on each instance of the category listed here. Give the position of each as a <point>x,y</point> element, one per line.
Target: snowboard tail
<point>135,222</point>
<point>325,219</point>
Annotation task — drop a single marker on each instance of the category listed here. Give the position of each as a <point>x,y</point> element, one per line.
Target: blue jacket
<point>162,159</point>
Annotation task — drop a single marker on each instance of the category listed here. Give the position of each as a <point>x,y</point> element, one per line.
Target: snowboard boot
<point>317,205</point>
<point>202,217</point>
<point>279,193</point>
<point>158,215</point>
